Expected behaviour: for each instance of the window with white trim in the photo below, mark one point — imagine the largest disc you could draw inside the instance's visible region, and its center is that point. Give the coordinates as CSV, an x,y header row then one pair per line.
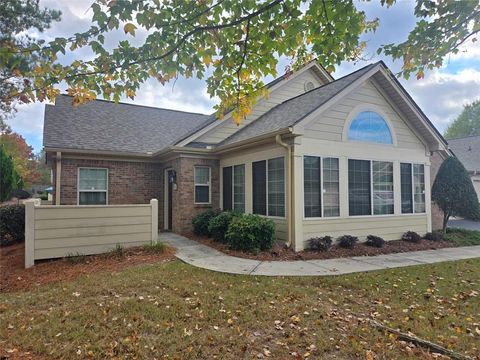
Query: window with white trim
x,y
202,176
92,186
370,187
234,188
321,187
413,188
268,180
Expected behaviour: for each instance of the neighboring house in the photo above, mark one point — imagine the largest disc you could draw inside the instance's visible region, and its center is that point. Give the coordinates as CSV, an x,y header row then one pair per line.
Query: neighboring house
x,y
319,156
467,150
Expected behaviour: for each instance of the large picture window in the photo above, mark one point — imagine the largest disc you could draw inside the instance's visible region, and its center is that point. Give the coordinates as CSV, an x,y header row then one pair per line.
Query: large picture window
x,y
370,187
202,184
359,189
92,186
321,187
234,188
413,188
268,180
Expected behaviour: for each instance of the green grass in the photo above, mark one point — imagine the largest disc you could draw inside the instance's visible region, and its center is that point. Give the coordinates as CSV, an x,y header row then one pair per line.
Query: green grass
x,y
463,237
157,248
177,311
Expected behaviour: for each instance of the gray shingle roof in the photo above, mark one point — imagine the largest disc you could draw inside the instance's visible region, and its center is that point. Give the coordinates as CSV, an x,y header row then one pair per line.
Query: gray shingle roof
x,y
467,150
293,110
105,126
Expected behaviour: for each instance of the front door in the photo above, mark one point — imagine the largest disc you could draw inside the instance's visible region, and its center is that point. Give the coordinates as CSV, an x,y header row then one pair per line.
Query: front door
x,y
171,179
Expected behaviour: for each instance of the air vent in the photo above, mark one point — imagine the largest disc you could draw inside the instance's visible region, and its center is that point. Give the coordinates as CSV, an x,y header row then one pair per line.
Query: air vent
x,y
309,85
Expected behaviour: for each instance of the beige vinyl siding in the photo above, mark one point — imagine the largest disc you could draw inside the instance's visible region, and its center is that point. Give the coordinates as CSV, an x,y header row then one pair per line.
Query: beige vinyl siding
x,y
69,230
330,124
247,156
288,90
388,227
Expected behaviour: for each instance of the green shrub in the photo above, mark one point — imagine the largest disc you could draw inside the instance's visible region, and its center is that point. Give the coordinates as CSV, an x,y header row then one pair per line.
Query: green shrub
x,y
375,241
12,224
347,241
201,221
218,225
251,233
434,236
463,237
323,243
411,236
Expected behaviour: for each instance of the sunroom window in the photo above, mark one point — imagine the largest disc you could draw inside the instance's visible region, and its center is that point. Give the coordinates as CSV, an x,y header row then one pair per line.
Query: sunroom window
x,y
321,187
268,180
370,187
413,188
234,188
92,186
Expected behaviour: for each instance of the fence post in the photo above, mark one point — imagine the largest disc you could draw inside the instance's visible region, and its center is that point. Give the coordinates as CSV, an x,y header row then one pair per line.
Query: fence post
x,y
30,232
154,205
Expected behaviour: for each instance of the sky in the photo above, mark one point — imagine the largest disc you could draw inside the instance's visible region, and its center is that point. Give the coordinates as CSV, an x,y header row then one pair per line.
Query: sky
x,y
441,94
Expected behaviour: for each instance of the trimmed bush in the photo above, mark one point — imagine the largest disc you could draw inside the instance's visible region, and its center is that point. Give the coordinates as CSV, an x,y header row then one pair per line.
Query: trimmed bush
x,y
375,241
12,224
323,243
251,233
218,225
411,236
347,241
434,236
201,221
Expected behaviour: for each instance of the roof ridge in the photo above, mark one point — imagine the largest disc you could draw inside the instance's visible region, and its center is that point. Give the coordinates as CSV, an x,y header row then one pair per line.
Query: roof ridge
x,y
144,106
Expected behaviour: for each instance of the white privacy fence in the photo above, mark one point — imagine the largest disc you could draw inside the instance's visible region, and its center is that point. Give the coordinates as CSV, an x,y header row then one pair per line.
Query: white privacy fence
x,y
53,231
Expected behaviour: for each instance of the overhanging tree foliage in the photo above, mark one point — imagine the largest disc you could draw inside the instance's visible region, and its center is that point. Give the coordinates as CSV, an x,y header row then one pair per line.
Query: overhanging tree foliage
x,y
454,193
16,18
9,179
467,123
232,43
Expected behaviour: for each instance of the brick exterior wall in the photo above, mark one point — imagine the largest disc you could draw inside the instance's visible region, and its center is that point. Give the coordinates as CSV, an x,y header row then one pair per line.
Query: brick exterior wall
x,y
437,215
129,182
133,182
183,198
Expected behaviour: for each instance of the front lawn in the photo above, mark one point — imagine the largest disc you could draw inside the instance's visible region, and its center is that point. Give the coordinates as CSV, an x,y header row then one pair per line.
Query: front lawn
x,y
173,310
463,237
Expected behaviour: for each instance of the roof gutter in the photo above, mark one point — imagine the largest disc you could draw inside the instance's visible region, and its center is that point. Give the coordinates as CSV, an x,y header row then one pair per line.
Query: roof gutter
x,y
99,152
251,141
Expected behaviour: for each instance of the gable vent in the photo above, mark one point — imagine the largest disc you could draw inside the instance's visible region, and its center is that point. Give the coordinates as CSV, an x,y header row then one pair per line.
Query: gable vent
x,y
309,86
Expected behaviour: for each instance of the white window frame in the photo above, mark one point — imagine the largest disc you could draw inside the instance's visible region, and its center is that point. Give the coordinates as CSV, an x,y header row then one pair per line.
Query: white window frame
x,y
284,188
195,185
371,190
78,185
322,189
266,186
233,186
413,188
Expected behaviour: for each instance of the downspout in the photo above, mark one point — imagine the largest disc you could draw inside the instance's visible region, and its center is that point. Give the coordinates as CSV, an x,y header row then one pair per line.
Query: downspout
x,y
279,141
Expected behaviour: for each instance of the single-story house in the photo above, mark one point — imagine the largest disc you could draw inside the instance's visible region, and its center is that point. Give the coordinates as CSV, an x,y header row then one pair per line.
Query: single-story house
x,y
467,150
319,156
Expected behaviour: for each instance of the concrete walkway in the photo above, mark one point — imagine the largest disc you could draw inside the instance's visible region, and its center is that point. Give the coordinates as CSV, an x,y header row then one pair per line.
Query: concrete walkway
x,y
205,257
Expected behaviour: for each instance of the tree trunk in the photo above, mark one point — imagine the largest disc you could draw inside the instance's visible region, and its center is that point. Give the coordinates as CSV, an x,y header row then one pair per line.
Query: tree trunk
x,y
446,216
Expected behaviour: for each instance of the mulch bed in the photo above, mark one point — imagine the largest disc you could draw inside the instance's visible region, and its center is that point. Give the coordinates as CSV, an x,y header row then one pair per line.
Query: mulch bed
x,y
282,253
14,276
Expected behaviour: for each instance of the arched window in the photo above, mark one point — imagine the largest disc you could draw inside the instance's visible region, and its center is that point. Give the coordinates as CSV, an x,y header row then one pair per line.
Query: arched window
x,y
370,127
